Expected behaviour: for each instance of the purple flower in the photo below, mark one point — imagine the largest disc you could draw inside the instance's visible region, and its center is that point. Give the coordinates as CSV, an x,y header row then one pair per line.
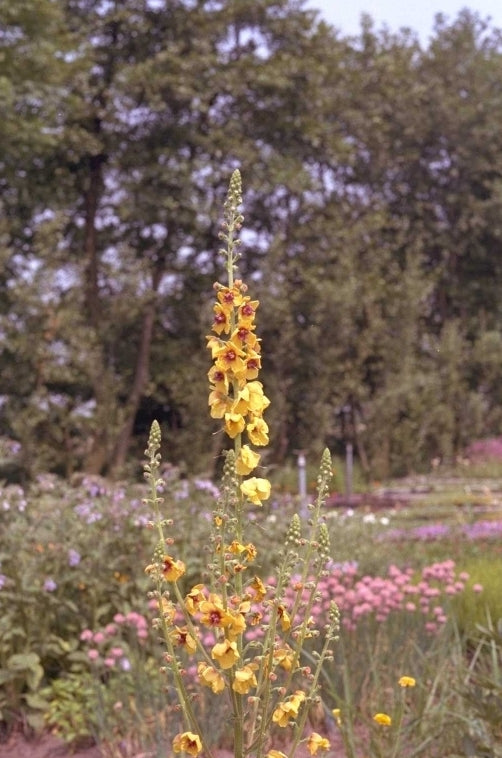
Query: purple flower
x,y
50,585
74,557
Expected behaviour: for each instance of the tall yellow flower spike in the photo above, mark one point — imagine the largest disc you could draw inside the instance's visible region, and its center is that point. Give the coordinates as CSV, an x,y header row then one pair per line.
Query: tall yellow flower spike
x,y
235,394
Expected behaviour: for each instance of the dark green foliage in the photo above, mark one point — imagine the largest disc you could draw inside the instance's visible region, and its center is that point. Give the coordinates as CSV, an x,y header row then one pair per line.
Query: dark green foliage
x,y
372,178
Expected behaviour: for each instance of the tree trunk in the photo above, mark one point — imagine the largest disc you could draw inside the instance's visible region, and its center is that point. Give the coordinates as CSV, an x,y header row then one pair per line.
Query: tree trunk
x,y
140,381
96,458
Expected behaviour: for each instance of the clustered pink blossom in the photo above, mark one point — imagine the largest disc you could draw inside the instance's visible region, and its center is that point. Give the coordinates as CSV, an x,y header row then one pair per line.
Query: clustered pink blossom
x,y
103,647
377,597
401,590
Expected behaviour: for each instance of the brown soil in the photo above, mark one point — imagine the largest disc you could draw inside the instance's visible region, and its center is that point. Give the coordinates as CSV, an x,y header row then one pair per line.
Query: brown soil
x,y
46,746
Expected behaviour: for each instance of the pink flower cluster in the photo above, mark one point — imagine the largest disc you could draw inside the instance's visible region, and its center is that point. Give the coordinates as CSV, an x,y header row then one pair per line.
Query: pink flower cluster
x,y
103,647
377,597
401,590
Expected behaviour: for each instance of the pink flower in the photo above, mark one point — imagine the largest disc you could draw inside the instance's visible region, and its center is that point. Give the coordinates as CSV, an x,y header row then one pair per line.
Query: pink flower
x,y
86,635
477,588
93,654
99,637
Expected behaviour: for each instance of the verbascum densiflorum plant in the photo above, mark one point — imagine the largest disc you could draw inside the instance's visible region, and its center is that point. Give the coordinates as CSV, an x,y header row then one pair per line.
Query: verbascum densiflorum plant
x,y
259,653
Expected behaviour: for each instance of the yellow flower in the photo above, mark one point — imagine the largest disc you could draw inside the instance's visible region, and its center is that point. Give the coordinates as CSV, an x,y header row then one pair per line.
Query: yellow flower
x,y
219,379
245,336
183,638
211,678
171,569
230,357
383,719
236,625
219,404
238,548
253,365
225,653
337,715
284,657
187,742
275,754
257,400
244,680
284,618
230,298
247,310
241,402
407,681
256,489
194,598
234,424
315,742
247,460
259,589
213,612
167,609
221,321
288,709
214,344
258,431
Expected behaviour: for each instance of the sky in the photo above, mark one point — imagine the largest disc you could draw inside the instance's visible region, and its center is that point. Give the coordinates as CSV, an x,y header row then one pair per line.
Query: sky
x,y
417,14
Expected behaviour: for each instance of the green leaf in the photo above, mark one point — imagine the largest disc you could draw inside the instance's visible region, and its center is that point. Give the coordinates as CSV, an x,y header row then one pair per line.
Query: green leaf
x,y
36,701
